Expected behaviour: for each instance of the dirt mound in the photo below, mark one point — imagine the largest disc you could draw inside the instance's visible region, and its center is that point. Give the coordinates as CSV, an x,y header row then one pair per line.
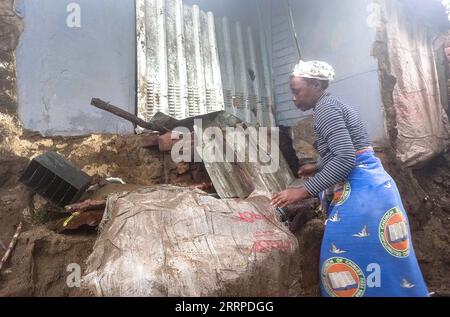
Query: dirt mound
x,y
426,197
433,236
10,28
39,262
39,266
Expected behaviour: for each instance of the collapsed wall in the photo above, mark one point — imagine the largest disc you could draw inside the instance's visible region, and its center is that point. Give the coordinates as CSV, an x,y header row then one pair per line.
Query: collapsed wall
x,y
406,43
11,27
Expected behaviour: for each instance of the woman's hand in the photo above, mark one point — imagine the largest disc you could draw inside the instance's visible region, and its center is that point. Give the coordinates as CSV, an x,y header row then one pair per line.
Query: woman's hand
x,y
289,197
308,170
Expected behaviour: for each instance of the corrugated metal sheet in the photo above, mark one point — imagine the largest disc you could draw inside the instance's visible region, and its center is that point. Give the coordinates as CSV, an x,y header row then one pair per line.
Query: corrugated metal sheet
x,y
241,179
285,56
337,32
189,64
178,68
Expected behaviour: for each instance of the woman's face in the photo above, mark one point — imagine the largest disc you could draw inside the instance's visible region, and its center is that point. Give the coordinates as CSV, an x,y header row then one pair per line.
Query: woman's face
x,y
304,95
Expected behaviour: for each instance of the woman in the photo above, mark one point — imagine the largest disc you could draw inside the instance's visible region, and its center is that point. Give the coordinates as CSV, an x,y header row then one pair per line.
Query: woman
x,y
367,248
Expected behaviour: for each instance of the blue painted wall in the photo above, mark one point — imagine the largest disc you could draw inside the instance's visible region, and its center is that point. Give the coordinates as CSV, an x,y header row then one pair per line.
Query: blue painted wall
x,y
59,69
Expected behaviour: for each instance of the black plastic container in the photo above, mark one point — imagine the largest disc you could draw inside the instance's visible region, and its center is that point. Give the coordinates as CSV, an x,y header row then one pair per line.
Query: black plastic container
x,y
55,179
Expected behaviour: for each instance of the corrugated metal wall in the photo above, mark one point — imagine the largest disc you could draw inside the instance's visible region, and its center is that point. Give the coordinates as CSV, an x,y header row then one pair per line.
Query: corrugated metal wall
x,y
178,67
189,63
340,33
284,58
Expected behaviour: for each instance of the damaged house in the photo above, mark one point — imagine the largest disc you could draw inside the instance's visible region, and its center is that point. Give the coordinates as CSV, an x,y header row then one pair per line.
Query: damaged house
x,y
163,62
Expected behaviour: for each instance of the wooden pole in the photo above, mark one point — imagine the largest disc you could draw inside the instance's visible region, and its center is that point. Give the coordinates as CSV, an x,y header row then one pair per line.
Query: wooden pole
x,y
98,103
11,246
87,205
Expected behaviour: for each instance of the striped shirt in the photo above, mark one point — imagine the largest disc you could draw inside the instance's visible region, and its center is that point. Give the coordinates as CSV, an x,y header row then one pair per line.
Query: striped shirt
x,y
340,134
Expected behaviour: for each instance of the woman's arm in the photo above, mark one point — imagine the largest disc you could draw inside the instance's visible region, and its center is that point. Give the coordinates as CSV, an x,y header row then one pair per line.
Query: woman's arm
x,y
331,126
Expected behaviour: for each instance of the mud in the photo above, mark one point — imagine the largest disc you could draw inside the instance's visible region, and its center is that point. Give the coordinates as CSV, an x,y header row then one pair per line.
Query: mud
x,y
38,266
40,262
425,195
432,238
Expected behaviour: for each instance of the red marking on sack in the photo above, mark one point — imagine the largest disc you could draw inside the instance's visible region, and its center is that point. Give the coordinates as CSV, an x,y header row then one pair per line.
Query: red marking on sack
x,y
251,217
266,246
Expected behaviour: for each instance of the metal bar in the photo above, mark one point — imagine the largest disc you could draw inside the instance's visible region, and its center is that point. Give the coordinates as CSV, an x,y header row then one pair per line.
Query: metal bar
x,y
162,56
57,195
45,182
294,31
69,196
141,55
48,189
37,177
243,72
215,65
256,86
198,60
29,172
182,70
268,82
229,68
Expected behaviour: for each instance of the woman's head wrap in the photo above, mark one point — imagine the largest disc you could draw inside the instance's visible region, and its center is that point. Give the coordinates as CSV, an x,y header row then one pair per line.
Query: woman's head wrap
x,y
314,69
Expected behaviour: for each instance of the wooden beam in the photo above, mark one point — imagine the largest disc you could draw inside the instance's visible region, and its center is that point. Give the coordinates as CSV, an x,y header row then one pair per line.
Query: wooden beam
x,y
98,103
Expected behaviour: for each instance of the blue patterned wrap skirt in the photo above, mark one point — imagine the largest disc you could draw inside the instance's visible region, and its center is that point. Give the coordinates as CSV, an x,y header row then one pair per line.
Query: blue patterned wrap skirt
x,y
367,248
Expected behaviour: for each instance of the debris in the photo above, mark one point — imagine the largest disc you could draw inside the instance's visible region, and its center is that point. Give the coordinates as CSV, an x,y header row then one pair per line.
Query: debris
x,y
139,130
2,245
11,246
300,214
102,182
89,212
221,119
438,180
87,206
55,179
93,188
39,202
210,247
283,217
206,187
167,140
183,168
116,180
164,123
240,179
91,218
149,140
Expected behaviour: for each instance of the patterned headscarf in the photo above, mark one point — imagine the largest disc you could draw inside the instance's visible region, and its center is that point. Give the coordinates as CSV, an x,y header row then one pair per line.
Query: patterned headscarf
x,y
314,69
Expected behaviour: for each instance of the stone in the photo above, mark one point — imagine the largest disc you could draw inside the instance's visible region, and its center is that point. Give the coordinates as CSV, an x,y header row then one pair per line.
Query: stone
x,y
439,180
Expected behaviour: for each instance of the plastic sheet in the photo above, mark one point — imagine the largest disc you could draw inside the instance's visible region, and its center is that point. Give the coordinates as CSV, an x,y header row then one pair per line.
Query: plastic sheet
x,y
172,241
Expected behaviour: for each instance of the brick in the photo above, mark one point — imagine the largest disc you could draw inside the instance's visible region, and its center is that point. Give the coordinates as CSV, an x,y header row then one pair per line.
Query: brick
x,y
167,140
149,140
